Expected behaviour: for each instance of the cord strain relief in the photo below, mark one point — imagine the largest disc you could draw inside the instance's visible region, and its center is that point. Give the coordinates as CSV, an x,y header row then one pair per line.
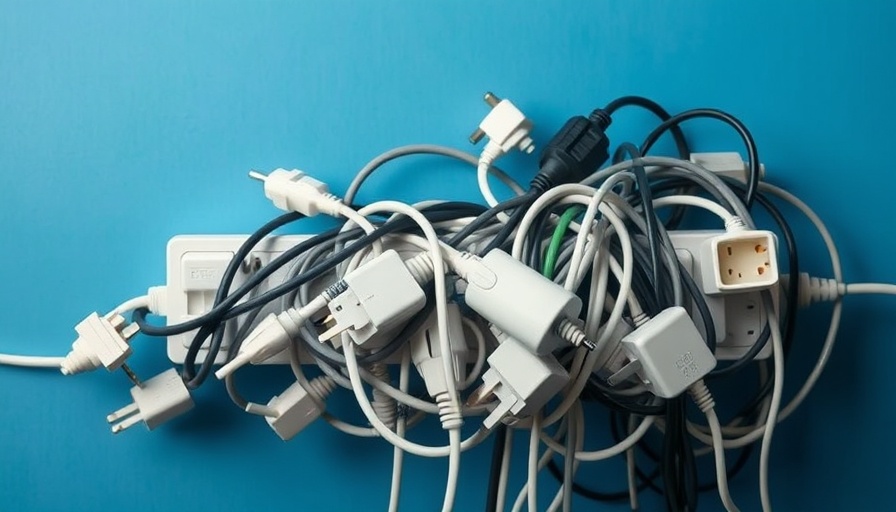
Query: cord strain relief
x,y
818,289
735,224
321,387
421,267
601,118
701,396
383,405
491,152
449,413
640,319
541,183
573,333
158,299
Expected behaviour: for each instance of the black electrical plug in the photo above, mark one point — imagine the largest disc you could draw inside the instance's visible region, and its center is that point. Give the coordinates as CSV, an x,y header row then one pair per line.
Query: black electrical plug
x,y
576,151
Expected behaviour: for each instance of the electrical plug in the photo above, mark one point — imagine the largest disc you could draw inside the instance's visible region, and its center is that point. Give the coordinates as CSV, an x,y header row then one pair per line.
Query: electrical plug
x,y
155,401
296,407
667,353
102,341
578,149
426,352
521,381
505,126
295,191
379,296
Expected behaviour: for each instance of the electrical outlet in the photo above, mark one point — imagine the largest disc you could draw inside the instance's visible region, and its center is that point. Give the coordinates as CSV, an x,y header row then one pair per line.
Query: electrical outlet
x,y
738,317
196,264
740,261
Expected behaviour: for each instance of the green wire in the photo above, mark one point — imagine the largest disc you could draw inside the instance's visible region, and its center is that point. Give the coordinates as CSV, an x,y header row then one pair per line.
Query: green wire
x,y
550,257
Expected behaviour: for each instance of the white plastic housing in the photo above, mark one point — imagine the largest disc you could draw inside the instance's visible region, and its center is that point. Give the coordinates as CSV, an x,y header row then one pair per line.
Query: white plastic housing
x,y
295,191
155,401
294,410
522,303
671,353
381,295
726,164
426,351
102,341
740,261
196,264
522,381
506,126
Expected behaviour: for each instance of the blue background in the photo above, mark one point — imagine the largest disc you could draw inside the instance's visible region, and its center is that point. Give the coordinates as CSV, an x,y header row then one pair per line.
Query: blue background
x,y
123,124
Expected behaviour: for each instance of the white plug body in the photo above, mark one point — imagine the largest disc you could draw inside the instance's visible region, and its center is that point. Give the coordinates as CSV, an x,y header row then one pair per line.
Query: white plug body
x,y
506,126
522,381
522,303
740,260
381,295
295,408
102,341
295,191
426,351
670,351
155,401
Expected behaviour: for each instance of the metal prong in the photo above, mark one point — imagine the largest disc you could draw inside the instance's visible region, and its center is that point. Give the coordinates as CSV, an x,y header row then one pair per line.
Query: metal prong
x,y
332,332
261,410
625,372
491,99
481,394
476,136
126,423
131,375
255,175
128,410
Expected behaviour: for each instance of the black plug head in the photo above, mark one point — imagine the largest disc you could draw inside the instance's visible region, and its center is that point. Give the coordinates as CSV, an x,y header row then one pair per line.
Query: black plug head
x,y
576,151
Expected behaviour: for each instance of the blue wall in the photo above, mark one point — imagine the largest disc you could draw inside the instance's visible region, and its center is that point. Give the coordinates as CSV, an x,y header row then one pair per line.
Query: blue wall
x,y
125,123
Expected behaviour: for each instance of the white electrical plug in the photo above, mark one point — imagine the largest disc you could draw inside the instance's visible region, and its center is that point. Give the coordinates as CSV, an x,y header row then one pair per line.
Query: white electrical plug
x,y
522,382
380,296
295,408
505,126
102,341
667,353
155,401
295,191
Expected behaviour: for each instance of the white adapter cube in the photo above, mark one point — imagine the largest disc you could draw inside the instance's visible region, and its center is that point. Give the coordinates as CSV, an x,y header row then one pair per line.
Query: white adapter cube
x,y
508,127
522,381
670,351
294,410
381,295
727,163
741,261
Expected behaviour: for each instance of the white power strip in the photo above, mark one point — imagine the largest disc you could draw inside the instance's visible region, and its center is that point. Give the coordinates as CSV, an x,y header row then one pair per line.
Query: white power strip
x,y
196,264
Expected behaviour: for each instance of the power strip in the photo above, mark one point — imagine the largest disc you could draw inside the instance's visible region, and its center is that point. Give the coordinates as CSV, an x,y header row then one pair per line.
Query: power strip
x,y
196,263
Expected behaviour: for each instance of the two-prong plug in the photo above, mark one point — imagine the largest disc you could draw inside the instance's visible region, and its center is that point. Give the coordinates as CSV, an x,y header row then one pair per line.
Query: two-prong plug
x,y
295,191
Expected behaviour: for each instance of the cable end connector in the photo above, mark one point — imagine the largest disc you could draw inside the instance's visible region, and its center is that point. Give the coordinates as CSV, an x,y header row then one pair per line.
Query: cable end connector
x,y
155,401
102,341
505,126
295,191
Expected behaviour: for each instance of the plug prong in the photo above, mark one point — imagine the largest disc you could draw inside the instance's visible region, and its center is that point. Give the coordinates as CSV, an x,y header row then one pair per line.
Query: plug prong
x,y
255,175
332,332
491,99
624,373
127,423
128,410
476,136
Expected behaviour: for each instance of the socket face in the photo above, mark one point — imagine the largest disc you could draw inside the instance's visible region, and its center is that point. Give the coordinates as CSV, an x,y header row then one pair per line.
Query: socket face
x,y
746,261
